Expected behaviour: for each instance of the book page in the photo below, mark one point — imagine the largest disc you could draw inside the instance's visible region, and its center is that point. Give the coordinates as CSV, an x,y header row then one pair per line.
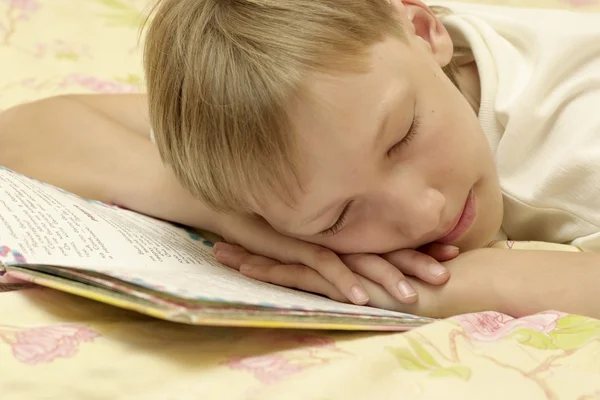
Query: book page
x,y
41,224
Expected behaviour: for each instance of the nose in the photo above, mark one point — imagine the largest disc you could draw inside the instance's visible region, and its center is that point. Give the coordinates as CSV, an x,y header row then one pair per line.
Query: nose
x,y
415,213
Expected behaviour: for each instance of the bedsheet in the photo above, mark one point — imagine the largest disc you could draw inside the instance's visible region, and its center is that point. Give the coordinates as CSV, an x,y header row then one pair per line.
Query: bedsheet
x,y
57,346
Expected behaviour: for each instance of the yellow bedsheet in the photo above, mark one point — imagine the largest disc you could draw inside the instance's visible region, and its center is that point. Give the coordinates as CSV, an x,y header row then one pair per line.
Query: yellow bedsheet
x,y
56,346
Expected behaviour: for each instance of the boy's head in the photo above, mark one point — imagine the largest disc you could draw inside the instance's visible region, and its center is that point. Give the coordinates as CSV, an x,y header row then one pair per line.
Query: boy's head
x,y
295,109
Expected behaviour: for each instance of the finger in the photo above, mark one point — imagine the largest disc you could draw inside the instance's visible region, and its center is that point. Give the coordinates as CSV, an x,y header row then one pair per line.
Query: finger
x,y
422,266
440,252
234,256
380,271
261,238
298,277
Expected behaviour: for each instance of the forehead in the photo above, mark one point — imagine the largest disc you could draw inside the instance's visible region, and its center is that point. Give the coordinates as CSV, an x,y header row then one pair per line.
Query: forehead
x,y
335,120
336,111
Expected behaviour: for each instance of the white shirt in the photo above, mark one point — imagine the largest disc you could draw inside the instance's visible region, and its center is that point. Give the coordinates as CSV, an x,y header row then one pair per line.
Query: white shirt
x,y
540,110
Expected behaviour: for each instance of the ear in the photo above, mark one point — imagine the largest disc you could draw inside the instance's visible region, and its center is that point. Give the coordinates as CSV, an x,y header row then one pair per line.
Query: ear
x,y
421,21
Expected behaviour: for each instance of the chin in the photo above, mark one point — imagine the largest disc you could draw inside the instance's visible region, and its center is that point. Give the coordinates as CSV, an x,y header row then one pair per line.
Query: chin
x,y
477,242
485,227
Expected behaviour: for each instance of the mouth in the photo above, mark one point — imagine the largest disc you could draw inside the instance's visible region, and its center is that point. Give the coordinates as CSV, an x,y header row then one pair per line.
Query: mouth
x,y
462,222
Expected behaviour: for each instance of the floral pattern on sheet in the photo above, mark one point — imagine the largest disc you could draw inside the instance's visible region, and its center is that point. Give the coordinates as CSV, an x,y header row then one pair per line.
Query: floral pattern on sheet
x,y
103,55
580,3
47,343
17,13
311,351
57,345
535,357
121,12
550,338
493,326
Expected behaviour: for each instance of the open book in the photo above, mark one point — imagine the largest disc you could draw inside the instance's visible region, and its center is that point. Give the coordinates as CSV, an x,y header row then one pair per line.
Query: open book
x,y
56,239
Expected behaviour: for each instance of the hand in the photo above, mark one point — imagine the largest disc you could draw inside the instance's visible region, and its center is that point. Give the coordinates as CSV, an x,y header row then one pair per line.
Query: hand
x,y
471,289
268,256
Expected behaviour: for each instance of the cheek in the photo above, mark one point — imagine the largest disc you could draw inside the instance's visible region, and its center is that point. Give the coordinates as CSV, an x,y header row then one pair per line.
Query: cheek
x,y
440,152
452,142
351,240
366,235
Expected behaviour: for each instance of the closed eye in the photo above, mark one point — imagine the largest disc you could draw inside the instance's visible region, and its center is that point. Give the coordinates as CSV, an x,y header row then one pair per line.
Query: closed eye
x,y
412,131
339,224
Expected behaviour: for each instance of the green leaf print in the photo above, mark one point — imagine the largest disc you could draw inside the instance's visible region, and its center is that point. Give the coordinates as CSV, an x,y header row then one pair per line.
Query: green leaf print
x,y
67,56
573,332
407,359
423,354
419,359
117,4
535,339
131,79
123,14
459,371
570,321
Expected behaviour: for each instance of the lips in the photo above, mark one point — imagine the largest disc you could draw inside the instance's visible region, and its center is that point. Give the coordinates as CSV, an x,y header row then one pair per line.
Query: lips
x,y
462,222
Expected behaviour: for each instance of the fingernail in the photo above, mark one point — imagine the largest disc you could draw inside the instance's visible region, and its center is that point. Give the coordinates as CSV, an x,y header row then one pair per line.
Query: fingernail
x,y
453,249
436,270
359,295
221,246
221,253
406,290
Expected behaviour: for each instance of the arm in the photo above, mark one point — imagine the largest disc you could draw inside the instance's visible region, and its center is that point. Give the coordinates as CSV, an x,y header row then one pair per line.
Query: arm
x,y
97,146
514,282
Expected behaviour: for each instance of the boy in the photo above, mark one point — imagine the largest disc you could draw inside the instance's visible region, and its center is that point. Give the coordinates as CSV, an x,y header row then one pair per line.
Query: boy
x,y
342,126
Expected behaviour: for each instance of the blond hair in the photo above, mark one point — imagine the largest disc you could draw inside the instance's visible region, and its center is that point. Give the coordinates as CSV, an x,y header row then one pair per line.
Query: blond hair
x,y
222,73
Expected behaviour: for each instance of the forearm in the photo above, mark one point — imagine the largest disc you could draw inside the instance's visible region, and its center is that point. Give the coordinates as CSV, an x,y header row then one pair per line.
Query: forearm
x,y
546,280
513,282
70,145
524,282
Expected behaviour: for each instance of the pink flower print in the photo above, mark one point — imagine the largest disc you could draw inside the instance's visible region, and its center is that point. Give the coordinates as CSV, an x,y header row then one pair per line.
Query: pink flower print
x,y
268,369
580,3
98,85
45,344
314,341
291,340
23,5
4,251
492,326
61,50
17,10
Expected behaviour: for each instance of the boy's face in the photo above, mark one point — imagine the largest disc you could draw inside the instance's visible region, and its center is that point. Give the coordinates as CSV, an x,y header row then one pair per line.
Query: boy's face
x,y
398,148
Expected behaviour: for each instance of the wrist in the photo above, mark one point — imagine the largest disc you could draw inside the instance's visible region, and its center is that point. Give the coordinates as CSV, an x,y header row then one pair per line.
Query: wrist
x,y
481,280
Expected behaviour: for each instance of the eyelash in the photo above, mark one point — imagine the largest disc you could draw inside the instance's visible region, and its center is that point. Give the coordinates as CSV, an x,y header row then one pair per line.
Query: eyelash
x,y
339,224
409,136
412,131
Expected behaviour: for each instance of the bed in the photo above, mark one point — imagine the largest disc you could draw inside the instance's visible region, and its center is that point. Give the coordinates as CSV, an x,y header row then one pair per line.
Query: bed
x,y
57,346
